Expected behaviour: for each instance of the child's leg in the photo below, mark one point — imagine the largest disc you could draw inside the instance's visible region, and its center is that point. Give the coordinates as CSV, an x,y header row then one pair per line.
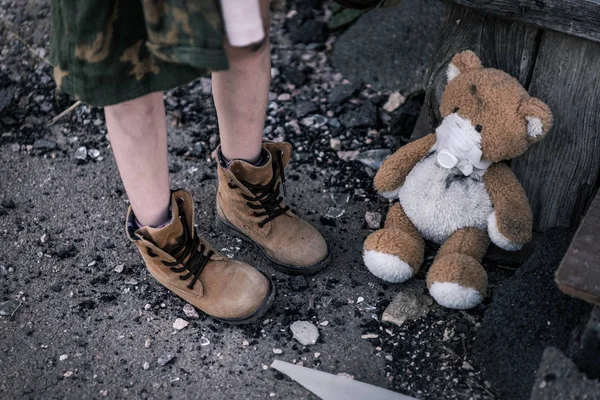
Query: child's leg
x,y
138,137
241,94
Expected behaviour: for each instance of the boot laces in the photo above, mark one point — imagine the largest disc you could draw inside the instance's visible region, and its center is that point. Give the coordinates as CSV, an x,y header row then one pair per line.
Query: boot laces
x,y
267,195
187,245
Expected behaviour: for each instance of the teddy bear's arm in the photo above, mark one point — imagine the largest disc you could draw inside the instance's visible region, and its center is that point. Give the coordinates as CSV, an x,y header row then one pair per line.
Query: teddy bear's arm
x,y
395,169
511,223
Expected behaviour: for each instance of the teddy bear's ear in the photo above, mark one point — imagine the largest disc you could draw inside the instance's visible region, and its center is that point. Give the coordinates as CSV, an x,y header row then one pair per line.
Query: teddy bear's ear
x,y
538,116
462,62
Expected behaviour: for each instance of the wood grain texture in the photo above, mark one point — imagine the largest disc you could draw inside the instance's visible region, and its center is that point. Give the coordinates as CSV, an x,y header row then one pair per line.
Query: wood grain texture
x,y
579,273
574,17
560,174
509,46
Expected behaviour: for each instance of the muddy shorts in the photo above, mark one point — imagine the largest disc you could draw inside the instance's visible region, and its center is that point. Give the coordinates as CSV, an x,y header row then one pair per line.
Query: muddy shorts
x,y
109,51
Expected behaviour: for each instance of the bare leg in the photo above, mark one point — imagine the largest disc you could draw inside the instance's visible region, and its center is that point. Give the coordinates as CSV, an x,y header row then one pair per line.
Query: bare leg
x,y
241,94
138,136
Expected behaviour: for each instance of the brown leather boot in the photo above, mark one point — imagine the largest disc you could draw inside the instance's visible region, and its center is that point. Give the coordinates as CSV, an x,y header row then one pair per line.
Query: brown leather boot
x,y
249,206
228,290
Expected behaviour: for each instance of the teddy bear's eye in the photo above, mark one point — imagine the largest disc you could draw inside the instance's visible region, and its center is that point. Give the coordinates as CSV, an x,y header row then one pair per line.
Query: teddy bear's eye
x,y
478,128
455,110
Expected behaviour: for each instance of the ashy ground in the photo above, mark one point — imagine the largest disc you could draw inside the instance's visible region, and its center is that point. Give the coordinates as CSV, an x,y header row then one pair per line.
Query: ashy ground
x,y
85,330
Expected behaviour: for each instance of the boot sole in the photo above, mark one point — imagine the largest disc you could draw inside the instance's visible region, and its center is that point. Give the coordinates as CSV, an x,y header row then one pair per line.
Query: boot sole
x,y
285,268
258,313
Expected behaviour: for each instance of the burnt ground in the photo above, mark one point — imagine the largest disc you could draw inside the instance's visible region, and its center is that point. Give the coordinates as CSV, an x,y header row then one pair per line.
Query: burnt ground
x,y
61,237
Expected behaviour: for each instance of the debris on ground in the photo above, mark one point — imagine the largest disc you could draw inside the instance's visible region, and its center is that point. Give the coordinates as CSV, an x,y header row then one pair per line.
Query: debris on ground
x,y
333,387
411,302
305,332
9,308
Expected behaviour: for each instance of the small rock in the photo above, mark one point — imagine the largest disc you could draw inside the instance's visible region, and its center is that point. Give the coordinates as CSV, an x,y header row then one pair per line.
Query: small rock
x,y
369,336
190,311
81,153
311,31
245,343
373,219
147,307
277,351
147,343
165,359
132,282
9,307
308,121
43,144
324,323
389,357
334,213
374,158
93,153
63,357
179,324
394,101
68,374
340,93
204,341
317,355
305,332
335,144
360,299
410,303
348,155
146,365
44,238
284,97
15,147
304,108
119,268
295,76
363,116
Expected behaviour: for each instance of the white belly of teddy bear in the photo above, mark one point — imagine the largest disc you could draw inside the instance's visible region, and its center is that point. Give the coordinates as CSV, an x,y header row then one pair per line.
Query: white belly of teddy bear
x,y
440,201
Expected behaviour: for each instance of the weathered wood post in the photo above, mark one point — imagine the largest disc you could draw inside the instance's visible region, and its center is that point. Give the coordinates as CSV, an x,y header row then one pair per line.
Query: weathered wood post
x,y
553,48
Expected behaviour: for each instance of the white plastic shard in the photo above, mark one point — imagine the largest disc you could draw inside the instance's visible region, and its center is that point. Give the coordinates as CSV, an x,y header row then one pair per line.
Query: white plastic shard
x,y
334,387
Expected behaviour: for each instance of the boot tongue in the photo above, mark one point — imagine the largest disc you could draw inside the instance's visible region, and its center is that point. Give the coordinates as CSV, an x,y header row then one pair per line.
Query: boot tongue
x,y
256,175
167,235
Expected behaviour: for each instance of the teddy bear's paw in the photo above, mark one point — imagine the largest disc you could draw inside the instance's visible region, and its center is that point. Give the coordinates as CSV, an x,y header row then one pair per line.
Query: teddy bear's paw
x,y
454,295
388,267
499,239
457,281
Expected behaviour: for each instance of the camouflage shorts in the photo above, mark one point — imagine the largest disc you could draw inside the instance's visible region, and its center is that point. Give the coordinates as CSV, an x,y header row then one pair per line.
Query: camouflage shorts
x,y
108,51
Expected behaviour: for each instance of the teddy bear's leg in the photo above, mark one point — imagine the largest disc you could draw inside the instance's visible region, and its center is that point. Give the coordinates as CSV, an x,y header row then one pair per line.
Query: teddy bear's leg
x,y
456,278
395,252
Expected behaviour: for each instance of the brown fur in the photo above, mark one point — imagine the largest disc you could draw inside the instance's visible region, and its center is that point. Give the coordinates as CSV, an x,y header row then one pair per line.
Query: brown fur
x,y
403,245
496,101
398,237
513,214
461,269
396,168
469,241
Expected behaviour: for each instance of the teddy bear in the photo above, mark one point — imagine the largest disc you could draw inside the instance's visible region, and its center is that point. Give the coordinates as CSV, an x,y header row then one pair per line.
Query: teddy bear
x,y
454,187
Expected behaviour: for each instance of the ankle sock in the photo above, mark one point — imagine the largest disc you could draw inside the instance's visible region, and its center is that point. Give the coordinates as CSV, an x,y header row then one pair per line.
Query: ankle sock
x,y
262,159
169,219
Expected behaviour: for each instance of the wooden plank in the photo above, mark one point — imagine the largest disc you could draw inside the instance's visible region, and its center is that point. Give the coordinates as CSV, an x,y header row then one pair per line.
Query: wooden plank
x,y
502,44
574,17
560,174
579,273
